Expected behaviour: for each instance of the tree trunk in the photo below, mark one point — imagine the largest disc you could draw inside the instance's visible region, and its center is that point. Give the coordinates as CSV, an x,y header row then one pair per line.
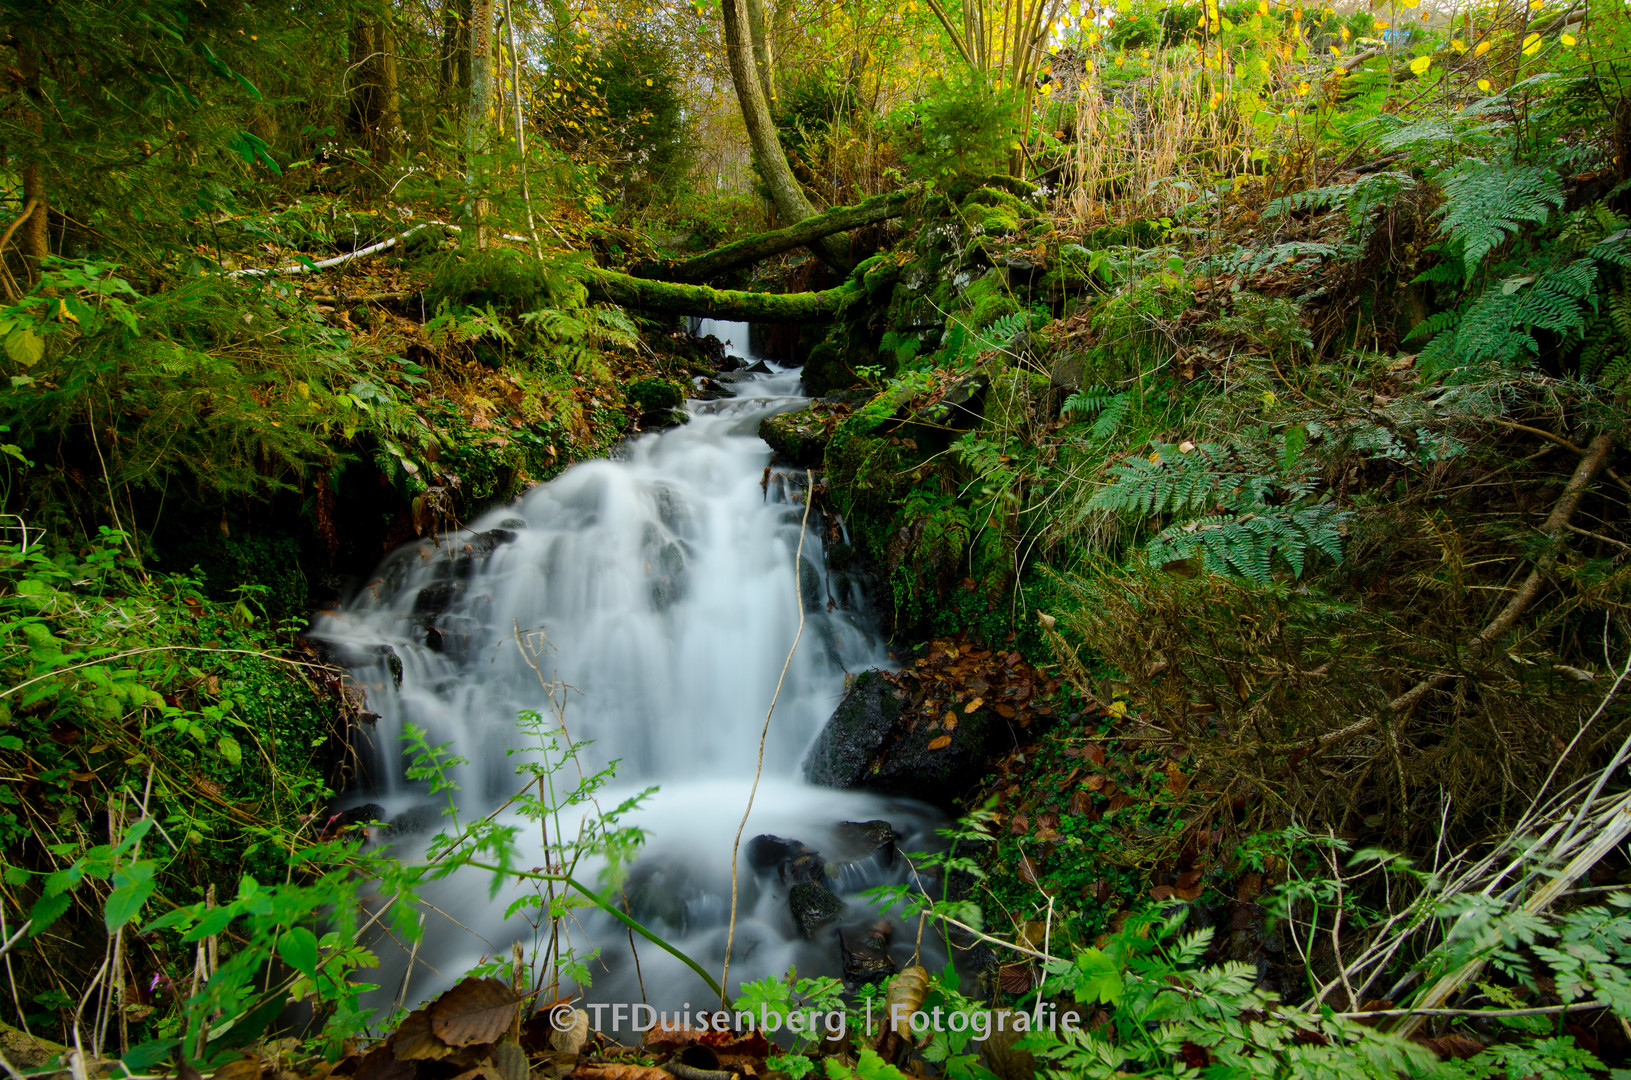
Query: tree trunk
x,y
390,105
478,116
375,116
764,53
763,245
791,202
667,297
453,68
32,239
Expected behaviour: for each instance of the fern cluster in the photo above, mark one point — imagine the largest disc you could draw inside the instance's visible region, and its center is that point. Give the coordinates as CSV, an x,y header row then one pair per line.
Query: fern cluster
x,y
1240,506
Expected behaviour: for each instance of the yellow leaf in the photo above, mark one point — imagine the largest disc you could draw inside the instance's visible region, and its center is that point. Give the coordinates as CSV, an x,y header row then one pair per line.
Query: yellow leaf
x,y
1484,85
975,704
1093,39
1381,25
1482,48
1410,3
64,313
1302,91
1262,7
1296,14
1345,34
1567,40
1458,45
939,742
648,82
1531,45
1420,64
1336,50
1118,708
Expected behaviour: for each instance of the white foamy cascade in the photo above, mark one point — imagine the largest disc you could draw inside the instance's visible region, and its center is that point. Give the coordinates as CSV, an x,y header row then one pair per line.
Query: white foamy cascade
x,y
665,582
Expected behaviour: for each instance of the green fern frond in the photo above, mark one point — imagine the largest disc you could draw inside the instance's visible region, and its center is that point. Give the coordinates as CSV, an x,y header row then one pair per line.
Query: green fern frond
x,y
1484,204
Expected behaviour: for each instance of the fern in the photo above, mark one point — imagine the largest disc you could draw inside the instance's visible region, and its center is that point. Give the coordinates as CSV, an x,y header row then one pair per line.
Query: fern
x,y
1485,204
1248,545
1110,407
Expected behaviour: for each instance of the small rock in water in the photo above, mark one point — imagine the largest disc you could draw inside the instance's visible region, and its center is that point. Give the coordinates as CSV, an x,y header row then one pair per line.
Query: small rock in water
x,y
759,367
813,907
793,862
866,957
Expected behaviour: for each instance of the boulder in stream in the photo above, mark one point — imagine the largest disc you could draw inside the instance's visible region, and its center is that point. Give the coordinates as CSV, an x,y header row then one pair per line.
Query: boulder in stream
x,y
813,907
868,744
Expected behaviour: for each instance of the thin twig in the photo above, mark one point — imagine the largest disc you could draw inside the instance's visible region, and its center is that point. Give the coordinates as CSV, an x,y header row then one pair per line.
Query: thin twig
x,y
798,596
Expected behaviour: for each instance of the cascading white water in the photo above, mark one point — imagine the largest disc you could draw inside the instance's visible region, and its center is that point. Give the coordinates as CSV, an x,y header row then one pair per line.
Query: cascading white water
x,y
665,582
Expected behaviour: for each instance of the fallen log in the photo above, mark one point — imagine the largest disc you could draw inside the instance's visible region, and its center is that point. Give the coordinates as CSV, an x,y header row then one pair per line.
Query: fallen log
x,y
671,298
802,234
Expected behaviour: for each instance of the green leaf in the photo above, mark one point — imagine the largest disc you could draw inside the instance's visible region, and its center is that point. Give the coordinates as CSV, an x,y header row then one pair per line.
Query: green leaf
x,y
25,346
47,910
132,885
229,748
1098,977
299,949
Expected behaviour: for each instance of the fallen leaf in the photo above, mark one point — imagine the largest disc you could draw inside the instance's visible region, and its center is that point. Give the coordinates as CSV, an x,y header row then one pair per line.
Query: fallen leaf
x,y
975,704
1005,711
1162,892
473,1012
620,1072
939,742
1027,870
244,1068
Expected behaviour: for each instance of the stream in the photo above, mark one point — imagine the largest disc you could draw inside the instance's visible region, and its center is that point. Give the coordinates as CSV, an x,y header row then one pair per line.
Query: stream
x,y
659,586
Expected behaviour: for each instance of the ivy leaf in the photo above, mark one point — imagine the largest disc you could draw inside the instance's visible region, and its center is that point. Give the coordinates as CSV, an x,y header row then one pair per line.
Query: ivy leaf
x,y
132,885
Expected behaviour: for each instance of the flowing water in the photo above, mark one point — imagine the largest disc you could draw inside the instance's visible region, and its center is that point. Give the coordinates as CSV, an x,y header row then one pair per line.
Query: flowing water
x,y
665,582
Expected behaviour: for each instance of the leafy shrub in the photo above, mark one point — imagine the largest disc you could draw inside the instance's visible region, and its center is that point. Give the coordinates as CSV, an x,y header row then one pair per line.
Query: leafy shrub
x,y
960,132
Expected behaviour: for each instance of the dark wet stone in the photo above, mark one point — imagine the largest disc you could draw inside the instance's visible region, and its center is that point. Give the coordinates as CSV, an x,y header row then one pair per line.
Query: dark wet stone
x,y
813,907
866,745
865,957
436,598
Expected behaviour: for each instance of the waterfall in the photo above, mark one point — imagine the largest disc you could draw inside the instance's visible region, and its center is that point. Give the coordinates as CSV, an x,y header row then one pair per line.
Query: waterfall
x,y
663,587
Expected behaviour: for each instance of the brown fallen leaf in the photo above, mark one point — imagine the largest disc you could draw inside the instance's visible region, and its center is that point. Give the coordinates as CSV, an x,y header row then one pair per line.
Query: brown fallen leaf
x,y
244,1068
475,1011
1005,711
620,1072
1027,870
939,742
1162,892
975,704
414,1041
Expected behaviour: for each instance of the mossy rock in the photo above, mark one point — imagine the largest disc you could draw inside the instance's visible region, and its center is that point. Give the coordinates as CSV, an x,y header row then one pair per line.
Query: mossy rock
x,y
652,394
988,299
799,438
997,213
1139,234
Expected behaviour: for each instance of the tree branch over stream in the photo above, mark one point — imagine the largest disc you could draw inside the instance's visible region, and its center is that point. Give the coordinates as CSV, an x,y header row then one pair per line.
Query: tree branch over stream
x,y
802,234
677,299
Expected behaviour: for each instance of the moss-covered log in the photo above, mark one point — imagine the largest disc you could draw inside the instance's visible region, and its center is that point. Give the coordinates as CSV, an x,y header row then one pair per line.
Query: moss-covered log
x,y
803,234
675,299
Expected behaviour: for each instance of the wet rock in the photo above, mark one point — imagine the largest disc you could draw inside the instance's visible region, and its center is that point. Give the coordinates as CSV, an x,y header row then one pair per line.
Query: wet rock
x,y
731,363
711,389
798,438
667,891
855,735
666,418
866,745
865,957
436,598
1066,370
792,862
872,837
959,407
759,367
813,907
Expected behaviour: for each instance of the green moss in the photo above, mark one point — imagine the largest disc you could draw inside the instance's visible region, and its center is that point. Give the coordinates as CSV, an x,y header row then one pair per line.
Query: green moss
x,y
651,393
798,437
988,300
996,212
